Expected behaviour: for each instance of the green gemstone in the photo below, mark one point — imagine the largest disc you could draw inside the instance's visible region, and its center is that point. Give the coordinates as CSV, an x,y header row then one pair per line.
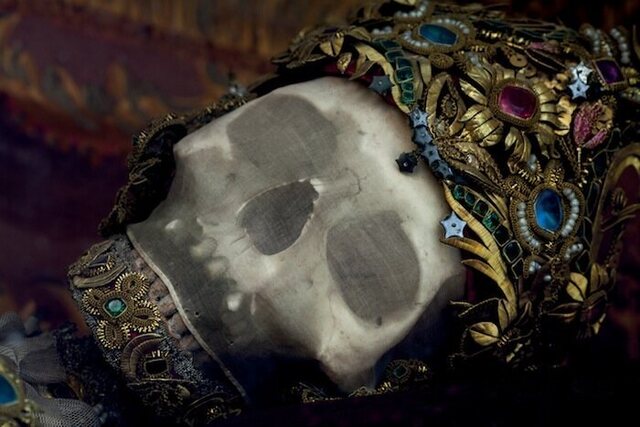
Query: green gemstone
x,y
115,307
481,208
491,221
458,192
407,98
389,44
470,199
404,74
394,54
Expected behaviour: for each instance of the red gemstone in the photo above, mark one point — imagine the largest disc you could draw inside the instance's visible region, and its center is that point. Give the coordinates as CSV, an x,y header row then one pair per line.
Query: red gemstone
x,y
518,102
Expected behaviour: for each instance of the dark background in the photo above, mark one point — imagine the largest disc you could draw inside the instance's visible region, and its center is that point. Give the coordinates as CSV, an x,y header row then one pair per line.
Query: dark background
x,y
79,77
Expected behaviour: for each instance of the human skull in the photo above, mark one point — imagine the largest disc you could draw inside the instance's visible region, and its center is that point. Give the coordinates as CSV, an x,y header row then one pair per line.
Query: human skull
x,y
289,230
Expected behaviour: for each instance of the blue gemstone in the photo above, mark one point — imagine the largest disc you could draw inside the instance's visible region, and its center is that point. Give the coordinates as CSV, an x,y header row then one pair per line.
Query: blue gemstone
x,y
438,34
548,210
8,394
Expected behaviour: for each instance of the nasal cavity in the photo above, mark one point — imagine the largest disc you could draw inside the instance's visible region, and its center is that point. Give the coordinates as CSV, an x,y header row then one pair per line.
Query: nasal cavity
x,y
274,219
374,263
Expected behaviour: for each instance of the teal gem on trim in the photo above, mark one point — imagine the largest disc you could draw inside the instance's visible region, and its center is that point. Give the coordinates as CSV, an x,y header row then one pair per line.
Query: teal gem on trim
x,y
8,394
548,210
115,307
438,34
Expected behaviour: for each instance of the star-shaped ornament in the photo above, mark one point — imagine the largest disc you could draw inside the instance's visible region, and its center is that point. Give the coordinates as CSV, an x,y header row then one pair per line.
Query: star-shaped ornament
x,y
581,73
578,89
380,84
453,226
418,118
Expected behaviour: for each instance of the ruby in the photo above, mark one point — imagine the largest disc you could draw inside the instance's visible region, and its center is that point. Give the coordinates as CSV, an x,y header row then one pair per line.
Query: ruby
x,y
518,102
609,71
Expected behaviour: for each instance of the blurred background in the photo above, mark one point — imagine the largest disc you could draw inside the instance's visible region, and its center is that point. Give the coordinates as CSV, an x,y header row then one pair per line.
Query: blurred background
x,y
79,77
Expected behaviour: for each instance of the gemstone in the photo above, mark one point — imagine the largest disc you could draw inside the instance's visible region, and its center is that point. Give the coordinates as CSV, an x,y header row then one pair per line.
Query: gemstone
x,y
481,208
512,251
548,210
407,162
115,307
470,199
8,394
438,34
404,74
458,192
609,71
156,366
491,221
501,235
518,102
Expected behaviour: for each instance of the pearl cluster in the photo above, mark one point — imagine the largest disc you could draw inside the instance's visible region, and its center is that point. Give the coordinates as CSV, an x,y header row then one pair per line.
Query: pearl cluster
x,y
415,43
534,266
450,21
574,212
524,227
574,249
625,54
418,13
599,42
381,31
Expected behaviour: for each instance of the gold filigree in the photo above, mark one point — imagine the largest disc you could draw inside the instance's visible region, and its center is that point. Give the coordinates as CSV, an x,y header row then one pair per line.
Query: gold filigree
x,y
122,310
488,123
95,268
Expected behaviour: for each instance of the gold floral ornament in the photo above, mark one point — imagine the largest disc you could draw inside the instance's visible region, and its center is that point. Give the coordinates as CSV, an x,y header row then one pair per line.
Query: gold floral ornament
x,y
122,310
588,301
511,110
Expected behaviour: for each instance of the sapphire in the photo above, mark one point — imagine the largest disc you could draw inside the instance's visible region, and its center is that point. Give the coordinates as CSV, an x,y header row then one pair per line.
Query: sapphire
x,y
8,394
548,210
438,34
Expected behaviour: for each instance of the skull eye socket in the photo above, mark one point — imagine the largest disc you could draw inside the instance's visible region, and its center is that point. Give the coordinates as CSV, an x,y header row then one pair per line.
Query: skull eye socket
x,y
374,263
274,219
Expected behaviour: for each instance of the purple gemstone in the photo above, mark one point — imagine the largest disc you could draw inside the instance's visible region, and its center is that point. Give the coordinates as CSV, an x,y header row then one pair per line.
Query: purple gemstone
x,y
609,71
518,102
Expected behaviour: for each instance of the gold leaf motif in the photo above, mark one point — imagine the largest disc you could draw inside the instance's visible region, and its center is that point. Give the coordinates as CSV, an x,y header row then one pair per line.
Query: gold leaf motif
x,y
136,285
494,266
473,93
485,333
577,287
343,62
111,336
145,317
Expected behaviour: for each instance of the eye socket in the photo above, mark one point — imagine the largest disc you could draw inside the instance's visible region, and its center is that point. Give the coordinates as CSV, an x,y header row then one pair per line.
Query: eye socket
x,y
274,219
374,263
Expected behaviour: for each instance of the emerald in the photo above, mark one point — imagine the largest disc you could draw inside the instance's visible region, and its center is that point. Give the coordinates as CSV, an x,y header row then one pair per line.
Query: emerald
x,y
115,307
491,221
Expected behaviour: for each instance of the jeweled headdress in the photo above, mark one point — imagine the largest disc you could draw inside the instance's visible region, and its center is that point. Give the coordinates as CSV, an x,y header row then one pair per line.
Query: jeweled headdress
x,y
531,127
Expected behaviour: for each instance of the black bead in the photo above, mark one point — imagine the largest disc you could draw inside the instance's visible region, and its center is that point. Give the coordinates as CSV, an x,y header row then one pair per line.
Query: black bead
x,y
407,162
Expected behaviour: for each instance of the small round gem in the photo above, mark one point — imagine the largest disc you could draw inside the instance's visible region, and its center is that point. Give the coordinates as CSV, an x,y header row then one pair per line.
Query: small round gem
x,y
518,102
115,307
548,210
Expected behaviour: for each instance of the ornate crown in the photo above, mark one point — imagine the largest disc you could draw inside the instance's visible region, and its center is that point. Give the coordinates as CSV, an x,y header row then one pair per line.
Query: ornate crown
x,y
532,129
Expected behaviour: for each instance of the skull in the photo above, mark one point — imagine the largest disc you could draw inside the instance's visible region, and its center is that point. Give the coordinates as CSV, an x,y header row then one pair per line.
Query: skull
x,y
289,232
